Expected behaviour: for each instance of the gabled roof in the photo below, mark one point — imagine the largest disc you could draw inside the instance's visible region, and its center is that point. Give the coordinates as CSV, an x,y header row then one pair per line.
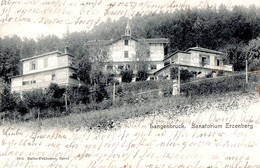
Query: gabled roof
x,y
204,50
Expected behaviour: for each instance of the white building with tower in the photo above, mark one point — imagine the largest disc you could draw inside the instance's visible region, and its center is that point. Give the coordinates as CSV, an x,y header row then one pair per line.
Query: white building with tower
x,y
122,52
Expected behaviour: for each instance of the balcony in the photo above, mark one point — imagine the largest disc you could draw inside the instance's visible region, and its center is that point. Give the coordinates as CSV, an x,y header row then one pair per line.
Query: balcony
x,y
205,65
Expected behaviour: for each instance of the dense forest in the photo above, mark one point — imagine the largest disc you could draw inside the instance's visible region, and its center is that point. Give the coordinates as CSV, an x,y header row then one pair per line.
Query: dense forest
x,y
234,32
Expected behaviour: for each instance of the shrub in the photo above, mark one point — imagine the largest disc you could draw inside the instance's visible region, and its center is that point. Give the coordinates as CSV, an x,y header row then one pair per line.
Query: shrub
x,y
217,85
127,75
37,99
55,89
141,75
184,74
7,100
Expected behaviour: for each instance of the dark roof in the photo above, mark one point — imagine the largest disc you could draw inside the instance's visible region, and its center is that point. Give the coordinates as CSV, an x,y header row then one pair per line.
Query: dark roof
x,y
204,50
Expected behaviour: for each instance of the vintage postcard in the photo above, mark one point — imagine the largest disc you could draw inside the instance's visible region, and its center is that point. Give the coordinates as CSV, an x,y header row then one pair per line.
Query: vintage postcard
x,y
129,84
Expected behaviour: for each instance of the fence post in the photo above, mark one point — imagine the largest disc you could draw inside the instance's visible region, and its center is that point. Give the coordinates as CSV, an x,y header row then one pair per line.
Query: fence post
x,y
179,80
114,93
38,118
246,72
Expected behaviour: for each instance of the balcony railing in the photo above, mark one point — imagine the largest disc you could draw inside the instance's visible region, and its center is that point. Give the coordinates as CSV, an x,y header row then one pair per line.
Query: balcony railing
x,y
207,66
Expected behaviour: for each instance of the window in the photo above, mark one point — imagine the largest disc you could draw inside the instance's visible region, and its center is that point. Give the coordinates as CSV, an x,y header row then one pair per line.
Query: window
x,y
126,54
126,42
33,81
218,62
109,67
53,77
33,65
127,66
153,66
121,67
204,59
152,78
45,62
166,63
26,82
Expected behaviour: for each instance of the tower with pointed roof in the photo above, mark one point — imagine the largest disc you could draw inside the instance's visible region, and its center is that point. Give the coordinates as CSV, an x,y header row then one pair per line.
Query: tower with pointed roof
x,y
128,28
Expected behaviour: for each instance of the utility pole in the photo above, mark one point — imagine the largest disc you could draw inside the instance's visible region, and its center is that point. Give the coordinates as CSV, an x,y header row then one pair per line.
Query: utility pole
x,y
179,80
66,102
114,93
246,71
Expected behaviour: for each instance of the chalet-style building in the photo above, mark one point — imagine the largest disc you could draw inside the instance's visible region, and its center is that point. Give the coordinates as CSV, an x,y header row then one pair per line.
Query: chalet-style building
x,y
122,52
41,70
197,59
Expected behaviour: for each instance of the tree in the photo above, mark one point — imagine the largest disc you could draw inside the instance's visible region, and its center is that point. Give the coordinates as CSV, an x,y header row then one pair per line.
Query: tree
x,y
235,55
10,48
55,90
127,75
184,74
252,54
141,75
7,100
37,99
142,58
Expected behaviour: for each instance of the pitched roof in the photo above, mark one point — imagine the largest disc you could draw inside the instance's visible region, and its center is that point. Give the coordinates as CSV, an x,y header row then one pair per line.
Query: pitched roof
x,y
204,50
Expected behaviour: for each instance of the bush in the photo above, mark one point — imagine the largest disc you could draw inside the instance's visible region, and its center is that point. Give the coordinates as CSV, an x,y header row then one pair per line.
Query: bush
x,y
37,99
127,75
142,75
218,85
184,74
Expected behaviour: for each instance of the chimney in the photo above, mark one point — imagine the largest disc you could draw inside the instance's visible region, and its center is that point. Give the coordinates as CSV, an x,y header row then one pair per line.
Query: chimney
x,y
66,50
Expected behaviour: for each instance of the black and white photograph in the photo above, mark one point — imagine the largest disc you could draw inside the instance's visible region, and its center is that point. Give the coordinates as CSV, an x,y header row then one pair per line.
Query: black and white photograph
x,y
129,84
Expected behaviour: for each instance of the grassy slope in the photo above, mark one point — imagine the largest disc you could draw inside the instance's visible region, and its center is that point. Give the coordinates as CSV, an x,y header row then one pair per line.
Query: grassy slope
x,y
172,106
224,93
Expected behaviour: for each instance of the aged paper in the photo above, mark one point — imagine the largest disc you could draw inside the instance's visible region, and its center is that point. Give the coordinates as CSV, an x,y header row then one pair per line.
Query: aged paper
x,y
212,138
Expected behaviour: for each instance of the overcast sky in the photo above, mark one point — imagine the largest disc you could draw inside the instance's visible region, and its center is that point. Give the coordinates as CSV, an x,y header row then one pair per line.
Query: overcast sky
x,y
33,18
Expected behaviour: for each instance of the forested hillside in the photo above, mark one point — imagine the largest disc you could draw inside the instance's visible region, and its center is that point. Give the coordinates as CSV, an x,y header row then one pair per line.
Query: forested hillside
x,y
234,31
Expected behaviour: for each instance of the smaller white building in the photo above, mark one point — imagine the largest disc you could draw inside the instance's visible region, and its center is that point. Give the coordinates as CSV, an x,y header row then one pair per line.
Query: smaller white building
x,y
198,59
41,70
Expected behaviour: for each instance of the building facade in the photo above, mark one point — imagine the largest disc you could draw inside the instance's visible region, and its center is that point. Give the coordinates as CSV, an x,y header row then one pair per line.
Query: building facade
x,y
197,59
42,70
122,52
